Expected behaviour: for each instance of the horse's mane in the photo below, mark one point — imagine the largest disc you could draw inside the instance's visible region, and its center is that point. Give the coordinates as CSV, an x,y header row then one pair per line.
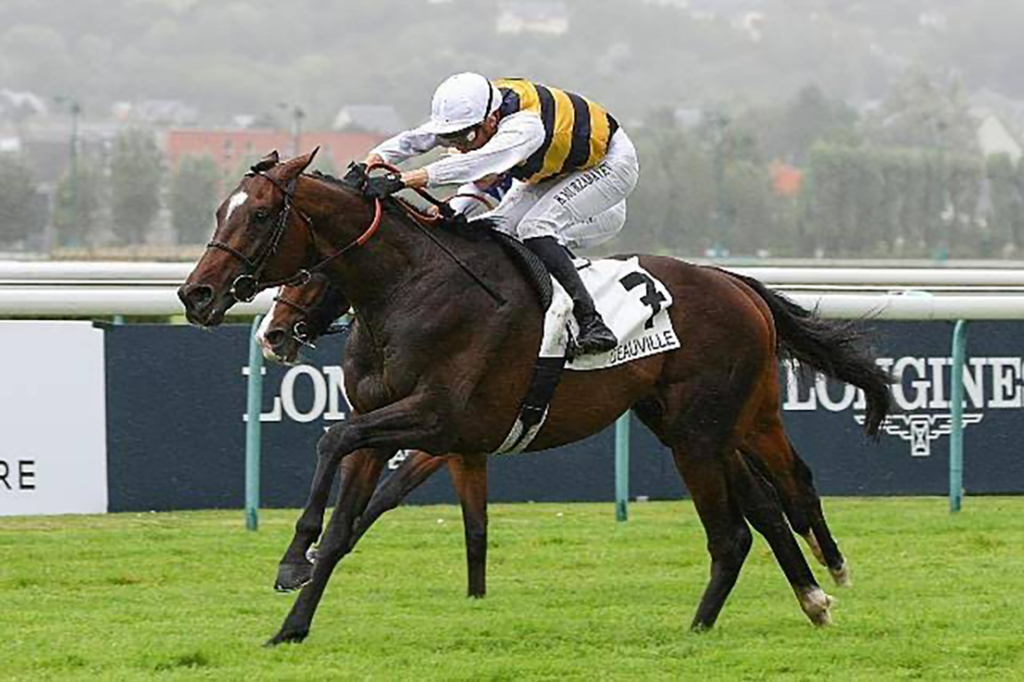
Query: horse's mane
x,y
471,230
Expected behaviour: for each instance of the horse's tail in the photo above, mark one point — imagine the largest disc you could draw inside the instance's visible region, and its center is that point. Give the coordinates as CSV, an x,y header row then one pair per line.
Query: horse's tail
x,y
835,348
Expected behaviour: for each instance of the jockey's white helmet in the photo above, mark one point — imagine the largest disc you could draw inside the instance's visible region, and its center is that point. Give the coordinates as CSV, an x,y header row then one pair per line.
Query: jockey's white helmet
x,y
462,101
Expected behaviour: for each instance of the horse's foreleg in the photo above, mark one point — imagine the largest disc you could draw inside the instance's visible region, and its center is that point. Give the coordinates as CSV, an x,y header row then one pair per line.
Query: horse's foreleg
x,y
416,469
295,570
422,420
469,474
415,421
359,478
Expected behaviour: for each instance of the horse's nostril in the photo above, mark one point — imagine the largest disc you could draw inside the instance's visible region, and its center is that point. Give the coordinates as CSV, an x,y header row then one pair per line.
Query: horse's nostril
x,y
275,337
199,296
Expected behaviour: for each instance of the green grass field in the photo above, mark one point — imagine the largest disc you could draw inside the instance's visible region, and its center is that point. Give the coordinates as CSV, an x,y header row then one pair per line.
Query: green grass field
x,y
572,595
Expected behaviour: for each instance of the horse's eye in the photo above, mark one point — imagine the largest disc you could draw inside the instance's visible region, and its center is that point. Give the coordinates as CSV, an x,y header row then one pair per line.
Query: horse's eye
x,y
261,214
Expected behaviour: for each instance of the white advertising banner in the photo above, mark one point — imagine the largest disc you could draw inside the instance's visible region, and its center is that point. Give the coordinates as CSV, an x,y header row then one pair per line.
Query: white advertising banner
x,y
53,452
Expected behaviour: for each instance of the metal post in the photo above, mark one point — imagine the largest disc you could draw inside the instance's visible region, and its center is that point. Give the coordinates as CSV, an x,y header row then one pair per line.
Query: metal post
x,y
76,109
299,114
622,467
721,122
252,430
956,438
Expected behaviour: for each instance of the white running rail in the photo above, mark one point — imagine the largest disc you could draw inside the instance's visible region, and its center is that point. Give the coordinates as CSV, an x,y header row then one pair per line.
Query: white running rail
x,y
86,289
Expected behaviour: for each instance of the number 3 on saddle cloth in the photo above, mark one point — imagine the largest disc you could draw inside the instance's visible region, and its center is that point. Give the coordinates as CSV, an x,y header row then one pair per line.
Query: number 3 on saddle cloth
x,y
632,302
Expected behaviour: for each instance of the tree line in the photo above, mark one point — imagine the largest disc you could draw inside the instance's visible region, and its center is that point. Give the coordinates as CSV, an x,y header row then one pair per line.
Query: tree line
x,y
905,180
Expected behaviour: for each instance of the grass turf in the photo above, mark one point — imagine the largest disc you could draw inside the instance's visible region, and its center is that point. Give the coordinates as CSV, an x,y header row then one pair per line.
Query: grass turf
x,y
572,595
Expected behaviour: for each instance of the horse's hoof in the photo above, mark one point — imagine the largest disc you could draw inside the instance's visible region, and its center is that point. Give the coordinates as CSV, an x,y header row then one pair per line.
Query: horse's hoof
x,y
816,605
841,575
291,577
287,637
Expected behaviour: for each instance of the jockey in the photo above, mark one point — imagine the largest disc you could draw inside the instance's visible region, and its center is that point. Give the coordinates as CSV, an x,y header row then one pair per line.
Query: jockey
x,y
573,167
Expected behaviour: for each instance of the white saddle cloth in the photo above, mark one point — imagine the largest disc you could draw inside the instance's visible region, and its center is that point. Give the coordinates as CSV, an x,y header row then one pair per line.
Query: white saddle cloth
x,y
633,304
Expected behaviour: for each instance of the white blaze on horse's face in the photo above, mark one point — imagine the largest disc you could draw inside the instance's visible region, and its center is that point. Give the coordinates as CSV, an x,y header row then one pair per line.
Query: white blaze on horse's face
x,y
236,200
261,337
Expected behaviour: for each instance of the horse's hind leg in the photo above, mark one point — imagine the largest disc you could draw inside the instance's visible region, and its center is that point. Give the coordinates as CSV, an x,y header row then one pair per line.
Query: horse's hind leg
x,y
702,422
821,536
469,474
793,480
759,504
728,536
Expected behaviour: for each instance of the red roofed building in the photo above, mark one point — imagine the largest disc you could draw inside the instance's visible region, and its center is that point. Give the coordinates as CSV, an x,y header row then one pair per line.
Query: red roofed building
x,y
786,180
230,147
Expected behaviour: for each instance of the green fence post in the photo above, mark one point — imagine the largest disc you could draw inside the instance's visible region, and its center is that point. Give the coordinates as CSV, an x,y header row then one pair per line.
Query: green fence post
x,y
956,437
622,467
252,429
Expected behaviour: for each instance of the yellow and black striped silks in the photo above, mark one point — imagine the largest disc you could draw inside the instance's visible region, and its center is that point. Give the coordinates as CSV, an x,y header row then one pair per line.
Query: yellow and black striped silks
x,y
576,130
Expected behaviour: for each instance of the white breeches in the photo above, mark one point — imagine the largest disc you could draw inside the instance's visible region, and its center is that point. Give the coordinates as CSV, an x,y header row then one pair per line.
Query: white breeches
x,y
581,209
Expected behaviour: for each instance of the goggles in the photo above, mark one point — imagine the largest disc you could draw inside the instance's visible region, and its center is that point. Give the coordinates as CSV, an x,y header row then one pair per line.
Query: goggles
x,y
460,137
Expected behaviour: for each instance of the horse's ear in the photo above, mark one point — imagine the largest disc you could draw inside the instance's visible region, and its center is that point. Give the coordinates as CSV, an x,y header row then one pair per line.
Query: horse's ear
x,y
267,162
293,167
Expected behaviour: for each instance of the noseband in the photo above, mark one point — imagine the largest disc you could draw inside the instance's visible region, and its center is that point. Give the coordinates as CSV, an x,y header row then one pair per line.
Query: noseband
x,y
300,330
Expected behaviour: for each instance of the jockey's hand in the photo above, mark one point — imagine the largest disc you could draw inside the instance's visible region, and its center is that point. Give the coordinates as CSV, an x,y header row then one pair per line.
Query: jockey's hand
x,y
382,186
356,176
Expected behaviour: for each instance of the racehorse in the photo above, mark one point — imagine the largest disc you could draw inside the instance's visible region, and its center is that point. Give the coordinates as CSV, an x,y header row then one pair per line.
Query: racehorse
x,y
302,314
444,351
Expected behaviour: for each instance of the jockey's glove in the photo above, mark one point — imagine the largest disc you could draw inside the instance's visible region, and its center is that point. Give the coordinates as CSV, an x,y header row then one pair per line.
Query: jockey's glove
x,y
356,176
381,186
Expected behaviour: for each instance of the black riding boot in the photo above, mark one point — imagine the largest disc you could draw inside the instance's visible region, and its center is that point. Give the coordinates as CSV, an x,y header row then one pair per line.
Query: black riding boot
x,y
595,336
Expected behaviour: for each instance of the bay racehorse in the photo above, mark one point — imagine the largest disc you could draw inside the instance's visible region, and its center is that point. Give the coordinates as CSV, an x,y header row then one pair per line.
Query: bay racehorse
x,y
445,347
301,314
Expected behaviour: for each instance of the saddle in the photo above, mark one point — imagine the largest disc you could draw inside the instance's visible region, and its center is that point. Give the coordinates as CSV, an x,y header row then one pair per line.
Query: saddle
x,y
529,265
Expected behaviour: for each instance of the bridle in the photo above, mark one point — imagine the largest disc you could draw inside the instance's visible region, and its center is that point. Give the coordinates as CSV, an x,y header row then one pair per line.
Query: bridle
x,y
245,287
300,330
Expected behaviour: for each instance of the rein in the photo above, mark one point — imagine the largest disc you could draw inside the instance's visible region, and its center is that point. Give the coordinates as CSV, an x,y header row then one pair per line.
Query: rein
x,y
300,330
247,285
422,221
